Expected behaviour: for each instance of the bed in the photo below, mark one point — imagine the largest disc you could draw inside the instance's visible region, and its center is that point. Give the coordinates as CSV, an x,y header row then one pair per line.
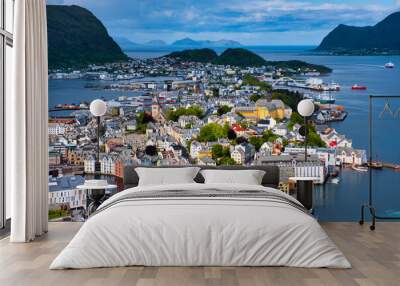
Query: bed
x,y
197,224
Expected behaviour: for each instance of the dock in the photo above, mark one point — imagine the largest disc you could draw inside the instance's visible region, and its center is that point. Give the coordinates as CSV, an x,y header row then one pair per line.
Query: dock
x,y
380,165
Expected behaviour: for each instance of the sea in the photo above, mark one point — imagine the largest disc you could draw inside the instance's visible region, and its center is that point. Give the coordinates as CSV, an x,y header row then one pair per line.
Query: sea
x,y
332,202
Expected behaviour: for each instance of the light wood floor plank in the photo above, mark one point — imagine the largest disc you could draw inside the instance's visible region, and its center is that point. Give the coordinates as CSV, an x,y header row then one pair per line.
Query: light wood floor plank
x,y
375,257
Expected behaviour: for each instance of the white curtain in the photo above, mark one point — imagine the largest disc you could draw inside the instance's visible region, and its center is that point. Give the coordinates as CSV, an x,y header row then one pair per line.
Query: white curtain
x,y
26,123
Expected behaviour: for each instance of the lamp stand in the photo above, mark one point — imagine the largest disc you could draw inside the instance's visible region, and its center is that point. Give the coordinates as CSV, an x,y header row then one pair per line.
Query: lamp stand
x,y
97,166
305,139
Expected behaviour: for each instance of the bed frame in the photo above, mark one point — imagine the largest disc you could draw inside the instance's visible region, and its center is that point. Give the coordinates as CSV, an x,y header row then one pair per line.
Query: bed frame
x,y
270,179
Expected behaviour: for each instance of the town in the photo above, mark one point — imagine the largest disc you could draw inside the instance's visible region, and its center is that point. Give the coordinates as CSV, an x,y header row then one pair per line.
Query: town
x,y
178,113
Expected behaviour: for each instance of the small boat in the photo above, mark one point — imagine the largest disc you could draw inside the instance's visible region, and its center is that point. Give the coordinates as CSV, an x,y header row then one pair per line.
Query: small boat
x,y
359,168
389,65
358,87
335,181
335,86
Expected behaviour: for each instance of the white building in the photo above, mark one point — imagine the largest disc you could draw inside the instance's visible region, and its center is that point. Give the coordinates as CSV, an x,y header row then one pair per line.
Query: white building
x,y
312,170
107,165
62,191
89,165
195,148
56,129
351,156
238,156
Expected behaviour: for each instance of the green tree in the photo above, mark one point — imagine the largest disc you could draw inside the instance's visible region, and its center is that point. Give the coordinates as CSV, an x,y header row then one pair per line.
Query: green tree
x,y
295,118
223,109
251,80
217,151
255,97
142,119
257,142
226,152
226,161
268,136
193,110
290,98
211,132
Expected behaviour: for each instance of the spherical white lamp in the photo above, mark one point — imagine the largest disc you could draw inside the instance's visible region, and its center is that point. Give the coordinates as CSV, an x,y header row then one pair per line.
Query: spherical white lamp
x,y
98,107
306,107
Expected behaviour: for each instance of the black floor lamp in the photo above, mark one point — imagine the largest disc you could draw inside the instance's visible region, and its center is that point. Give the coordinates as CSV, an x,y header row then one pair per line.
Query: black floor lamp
x,y
306,109
305,184
98,108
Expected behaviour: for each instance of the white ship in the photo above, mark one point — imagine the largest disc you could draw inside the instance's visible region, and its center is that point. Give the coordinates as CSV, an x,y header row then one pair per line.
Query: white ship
x,y
389,65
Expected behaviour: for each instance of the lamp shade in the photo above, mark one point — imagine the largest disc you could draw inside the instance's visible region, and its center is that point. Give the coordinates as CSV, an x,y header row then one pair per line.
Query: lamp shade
x,y
306,107
98,107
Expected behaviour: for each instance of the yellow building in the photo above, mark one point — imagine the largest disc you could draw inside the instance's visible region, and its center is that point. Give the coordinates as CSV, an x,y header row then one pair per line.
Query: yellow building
x,y
263,109
204,153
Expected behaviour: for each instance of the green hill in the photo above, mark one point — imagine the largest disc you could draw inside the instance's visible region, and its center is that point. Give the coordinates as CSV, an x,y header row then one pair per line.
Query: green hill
x,y
384,37
295,65
243,58
195,55
77,38
240,57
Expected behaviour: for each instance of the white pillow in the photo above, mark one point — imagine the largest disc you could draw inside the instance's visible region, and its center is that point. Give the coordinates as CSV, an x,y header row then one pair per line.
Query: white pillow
x,y
247,177
166,176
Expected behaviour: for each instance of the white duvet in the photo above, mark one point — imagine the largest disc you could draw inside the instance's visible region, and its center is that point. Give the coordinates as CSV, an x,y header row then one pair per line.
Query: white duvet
x,y
200,231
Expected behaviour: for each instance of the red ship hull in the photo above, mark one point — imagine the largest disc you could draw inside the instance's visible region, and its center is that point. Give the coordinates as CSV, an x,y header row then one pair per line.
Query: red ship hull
x,y
359,88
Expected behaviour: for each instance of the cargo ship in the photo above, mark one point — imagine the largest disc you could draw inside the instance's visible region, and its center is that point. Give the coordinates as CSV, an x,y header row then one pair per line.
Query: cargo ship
x,y
359,87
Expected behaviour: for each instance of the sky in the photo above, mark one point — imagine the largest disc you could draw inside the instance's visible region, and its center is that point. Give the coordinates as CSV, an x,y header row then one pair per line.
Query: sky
x,y
250,22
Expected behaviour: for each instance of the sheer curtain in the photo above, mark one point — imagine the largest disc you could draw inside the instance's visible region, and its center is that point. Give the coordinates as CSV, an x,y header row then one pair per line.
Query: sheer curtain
x,y
26,120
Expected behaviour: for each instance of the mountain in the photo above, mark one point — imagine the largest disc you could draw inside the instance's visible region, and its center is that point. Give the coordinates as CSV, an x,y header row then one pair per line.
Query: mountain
x,y
155,43
190,43
186,42
383,37
126,44
195,55
77,38
240,57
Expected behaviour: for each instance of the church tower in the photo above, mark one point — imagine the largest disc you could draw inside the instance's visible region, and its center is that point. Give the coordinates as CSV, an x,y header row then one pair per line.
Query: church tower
x,y
155,108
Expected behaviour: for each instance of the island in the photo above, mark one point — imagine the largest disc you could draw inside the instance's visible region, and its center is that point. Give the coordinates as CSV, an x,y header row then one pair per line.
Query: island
x,y
381,39
240,57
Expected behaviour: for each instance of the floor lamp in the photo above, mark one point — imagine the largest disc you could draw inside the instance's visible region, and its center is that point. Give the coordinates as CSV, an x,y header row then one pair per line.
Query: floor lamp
x,y
306,109
98,108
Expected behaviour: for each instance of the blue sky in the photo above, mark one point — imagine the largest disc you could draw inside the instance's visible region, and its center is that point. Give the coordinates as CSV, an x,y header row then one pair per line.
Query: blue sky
x,y
251,22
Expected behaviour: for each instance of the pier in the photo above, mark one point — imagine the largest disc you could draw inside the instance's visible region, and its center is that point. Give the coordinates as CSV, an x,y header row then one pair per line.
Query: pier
x,y
55,109
380,165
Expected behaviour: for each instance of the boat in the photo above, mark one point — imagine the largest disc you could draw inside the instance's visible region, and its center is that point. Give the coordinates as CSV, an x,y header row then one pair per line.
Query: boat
x,y
335,86
358,87
334,181
389,65
324,99
359,168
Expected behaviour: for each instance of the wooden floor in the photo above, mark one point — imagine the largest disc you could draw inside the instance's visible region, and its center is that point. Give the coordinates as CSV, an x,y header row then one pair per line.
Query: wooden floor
x,y
375,257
